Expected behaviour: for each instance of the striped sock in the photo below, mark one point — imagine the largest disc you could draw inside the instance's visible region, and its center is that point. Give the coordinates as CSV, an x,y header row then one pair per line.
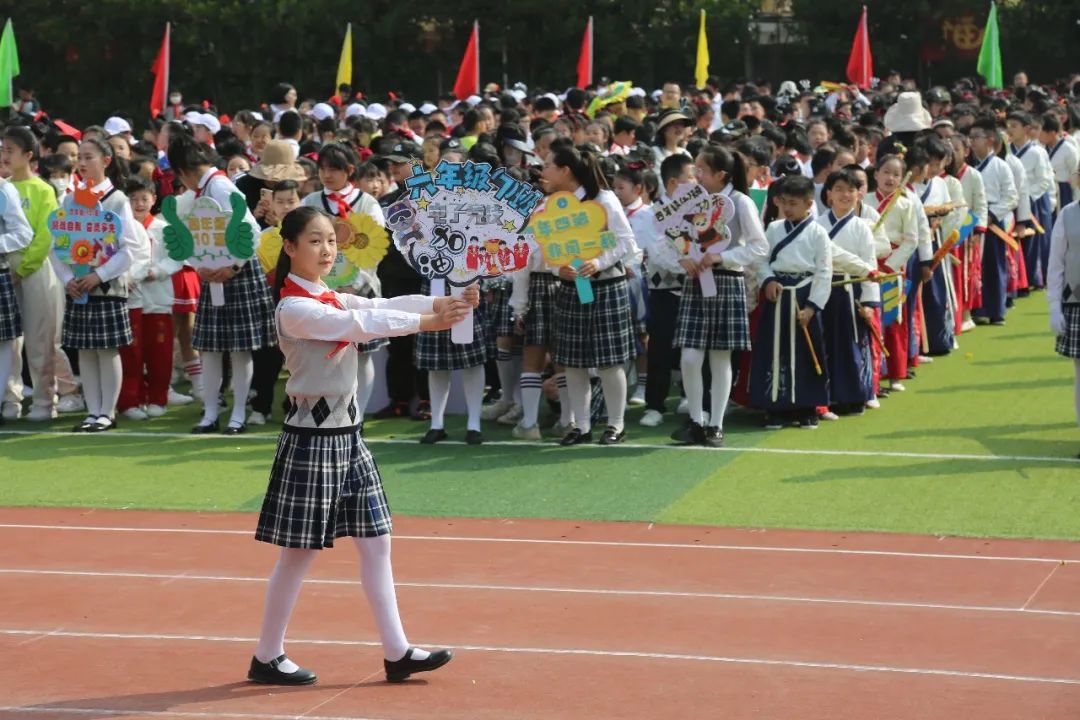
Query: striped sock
x,y
566,413
531,389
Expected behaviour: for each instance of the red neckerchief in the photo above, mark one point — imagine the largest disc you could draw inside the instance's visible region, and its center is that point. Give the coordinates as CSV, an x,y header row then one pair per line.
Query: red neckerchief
x,y
343,207
148,221
200,190
630,213
291,289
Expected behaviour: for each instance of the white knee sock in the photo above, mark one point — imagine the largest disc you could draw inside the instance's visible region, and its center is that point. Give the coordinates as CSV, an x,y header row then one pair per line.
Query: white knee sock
x,y
720,365
579,393
613,380
377,576
692,362
7,357
507,379
90,373
365,382
243,369
517,360
531,391
213,370
566,410
112,374
439,388
474,395
281,594
1076,384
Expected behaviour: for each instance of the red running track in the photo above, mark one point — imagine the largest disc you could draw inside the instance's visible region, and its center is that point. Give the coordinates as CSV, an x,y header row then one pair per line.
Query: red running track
x,y
154,615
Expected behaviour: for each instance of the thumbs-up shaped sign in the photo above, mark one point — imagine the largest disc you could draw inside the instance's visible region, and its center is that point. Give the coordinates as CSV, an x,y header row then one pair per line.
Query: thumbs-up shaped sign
x,y
178,240
239,238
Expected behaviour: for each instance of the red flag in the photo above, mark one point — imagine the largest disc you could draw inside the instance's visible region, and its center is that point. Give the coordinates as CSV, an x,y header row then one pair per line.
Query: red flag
x,y
860,66
468,76
584,63
160,93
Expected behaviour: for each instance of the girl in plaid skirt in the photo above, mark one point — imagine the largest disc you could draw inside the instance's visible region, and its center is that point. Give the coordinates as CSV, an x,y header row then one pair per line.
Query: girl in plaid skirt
x,y
597,334
245,322
99,327
718,325
15,234
324,483
1063,289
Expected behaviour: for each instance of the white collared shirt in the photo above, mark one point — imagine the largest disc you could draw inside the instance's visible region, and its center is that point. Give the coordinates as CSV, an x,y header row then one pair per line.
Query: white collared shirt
x,y
1039,175
853,250
809,252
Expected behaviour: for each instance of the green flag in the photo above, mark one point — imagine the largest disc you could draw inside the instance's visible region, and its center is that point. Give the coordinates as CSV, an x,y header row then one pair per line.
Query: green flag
x,y
990,53
9,64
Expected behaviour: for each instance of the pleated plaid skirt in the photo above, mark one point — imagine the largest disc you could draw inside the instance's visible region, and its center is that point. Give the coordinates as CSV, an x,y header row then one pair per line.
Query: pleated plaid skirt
x,y
10,320
714,323
324,485
540,320
101,323
597,334
436,351
1068,344
244,323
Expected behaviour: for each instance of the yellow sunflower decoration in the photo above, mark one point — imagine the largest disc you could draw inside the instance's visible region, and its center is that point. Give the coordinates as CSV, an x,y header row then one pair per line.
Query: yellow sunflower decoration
x,y
363,241
269,248
614,93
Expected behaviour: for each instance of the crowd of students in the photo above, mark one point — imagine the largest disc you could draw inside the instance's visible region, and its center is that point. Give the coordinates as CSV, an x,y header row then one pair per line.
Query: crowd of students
x,y
837,192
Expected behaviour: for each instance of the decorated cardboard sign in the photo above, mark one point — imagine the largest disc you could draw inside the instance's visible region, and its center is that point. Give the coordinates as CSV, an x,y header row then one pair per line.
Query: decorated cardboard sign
x,y
695,223
209,236
84,234
569,231
361,242
460,223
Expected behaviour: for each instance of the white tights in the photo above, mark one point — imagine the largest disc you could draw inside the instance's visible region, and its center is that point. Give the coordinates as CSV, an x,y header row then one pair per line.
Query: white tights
x,y
101,373
213,366
693,363
439,387
613,380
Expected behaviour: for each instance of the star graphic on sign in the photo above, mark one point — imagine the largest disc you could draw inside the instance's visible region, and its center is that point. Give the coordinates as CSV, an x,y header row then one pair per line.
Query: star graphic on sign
x,y
508,226
459,190
423,203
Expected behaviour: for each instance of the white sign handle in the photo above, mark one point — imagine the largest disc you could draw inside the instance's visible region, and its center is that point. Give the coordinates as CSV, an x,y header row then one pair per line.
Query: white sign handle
x,y
461,333
217,294
705,277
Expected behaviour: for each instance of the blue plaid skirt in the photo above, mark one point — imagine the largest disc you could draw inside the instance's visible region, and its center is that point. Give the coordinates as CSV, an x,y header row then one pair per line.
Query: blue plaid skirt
x,y
713,323
10,320
100,323
324,485
597,334
245,322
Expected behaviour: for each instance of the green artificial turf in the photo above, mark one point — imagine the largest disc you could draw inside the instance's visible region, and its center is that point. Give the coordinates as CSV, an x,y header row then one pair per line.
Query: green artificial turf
x,y
1004,396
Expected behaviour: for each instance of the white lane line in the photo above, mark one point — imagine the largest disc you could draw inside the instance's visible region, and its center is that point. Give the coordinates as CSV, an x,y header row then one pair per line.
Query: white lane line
x,y
583,652
794,599
50,711
258,437
584,543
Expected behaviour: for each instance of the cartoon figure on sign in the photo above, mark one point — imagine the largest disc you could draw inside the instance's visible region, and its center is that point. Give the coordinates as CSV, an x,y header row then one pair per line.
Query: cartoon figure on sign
x,y
84,233
711,227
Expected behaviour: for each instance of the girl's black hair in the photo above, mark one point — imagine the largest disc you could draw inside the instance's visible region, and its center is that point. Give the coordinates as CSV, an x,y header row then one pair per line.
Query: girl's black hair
x,y
338,156
186,154
733,164
277,95
54,163
24,139
292,225
247,117
367,171
583,166
632,173
651,183
115,171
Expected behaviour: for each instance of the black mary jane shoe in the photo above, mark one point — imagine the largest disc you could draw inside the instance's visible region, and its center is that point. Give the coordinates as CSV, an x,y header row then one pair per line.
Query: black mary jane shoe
x,y
206,429
474,437
576,437
98,426
85,425
692,433
714,437
433,436
612,436
268,674
235,430
400,670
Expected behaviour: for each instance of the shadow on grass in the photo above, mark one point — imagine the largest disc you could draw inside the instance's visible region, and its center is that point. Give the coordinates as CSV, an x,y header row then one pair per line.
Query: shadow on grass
x,y
998,439
940,469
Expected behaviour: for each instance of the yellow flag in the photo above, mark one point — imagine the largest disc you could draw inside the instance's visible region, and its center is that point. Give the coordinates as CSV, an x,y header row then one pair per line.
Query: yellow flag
x,y
344,66
701,71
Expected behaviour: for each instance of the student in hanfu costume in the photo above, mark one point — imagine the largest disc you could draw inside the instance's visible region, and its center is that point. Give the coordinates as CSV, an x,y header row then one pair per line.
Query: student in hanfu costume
x,y
1040,187
1002,198
938,303
968,274
852,318
788,378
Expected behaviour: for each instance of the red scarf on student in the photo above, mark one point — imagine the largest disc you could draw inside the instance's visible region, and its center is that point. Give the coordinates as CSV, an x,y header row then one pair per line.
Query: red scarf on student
x,y
343,207
291,289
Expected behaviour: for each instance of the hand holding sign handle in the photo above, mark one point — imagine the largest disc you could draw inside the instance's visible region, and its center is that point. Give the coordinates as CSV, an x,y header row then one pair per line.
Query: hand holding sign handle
x,y
584,287
461,333
239,237
178,240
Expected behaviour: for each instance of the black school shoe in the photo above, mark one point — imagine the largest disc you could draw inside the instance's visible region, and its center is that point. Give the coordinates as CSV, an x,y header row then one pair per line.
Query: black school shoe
x,y
689,434
474,437
235,430
98,426
206,429
433,436
714,437
612,436
576,437
400,670
268,674
85,425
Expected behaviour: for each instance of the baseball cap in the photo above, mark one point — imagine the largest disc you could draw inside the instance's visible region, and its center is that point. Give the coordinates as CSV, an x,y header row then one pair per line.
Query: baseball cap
x,y
116,125
376,111
405,151
322,111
